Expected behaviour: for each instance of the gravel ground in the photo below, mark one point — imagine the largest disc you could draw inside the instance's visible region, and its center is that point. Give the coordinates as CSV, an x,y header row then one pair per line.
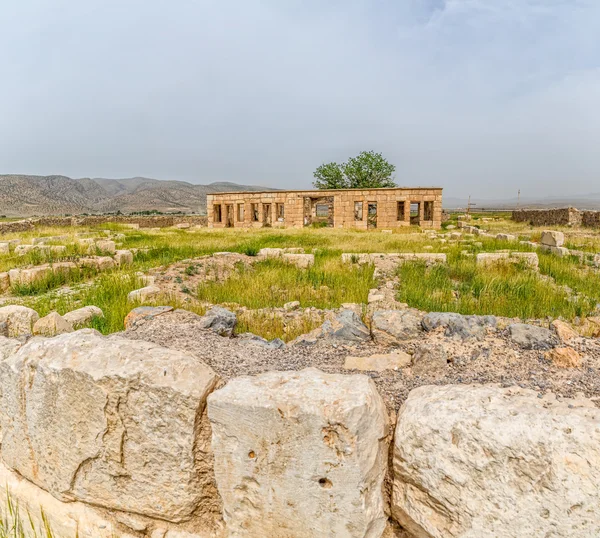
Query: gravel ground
x,y
495,359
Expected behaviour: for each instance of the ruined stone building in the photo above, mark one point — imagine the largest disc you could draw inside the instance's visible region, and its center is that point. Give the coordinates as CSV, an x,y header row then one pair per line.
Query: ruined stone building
x,y
338,208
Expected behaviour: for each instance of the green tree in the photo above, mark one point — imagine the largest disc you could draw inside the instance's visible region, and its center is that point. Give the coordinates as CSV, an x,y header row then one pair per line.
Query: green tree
x,y
369,170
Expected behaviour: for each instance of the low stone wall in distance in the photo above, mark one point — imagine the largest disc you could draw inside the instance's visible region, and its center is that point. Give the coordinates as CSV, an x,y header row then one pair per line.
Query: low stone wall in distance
x,y
566,216
149,221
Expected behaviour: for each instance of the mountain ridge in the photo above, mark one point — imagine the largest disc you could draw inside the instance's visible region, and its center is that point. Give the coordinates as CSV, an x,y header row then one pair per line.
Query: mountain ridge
x,y
24,195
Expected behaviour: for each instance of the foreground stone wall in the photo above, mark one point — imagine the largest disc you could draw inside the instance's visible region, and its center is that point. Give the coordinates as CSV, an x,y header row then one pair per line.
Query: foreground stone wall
x,y
156,221
121,438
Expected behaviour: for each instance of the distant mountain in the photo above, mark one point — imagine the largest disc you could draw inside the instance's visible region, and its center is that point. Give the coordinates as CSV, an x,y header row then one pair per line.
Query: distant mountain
x,y
585,201
22,195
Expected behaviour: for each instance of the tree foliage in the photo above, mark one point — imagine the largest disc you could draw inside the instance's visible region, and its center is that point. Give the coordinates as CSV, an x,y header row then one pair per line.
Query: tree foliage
x,y
369,170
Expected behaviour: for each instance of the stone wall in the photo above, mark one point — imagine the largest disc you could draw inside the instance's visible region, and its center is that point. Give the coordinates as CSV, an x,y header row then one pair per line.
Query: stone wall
x,y
120,438
393,208
150,221
567,216
591,219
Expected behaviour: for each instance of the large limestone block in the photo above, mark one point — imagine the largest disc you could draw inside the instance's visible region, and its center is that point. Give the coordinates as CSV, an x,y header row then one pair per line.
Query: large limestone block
x,y
394,326
4,248
123,257
83,316
19,319
300,454
147,293
553,238
68,520
105,246
475,461
110,422
99,263
51,325
25,277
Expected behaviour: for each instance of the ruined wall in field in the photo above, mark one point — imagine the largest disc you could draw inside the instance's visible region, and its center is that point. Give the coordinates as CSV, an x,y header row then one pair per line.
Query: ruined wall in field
x,y
567,216
591,219
152,221
123,438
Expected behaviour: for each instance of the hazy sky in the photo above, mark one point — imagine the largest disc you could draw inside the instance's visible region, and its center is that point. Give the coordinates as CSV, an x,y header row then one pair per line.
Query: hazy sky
x,y
478,96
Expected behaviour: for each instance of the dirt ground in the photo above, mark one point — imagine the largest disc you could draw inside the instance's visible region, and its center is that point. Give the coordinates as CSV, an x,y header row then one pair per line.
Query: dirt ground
x,y
494,359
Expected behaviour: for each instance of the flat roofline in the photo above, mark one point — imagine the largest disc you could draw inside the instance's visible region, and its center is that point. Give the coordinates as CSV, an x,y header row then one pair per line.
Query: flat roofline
x,y
329,190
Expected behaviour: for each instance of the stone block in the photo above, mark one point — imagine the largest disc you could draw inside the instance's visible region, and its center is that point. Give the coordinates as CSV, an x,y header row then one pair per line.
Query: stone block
x,y
111,422
19,319
303,261
51,325
123,257
478,461
4,248
83,316
552,238
300,454
147,293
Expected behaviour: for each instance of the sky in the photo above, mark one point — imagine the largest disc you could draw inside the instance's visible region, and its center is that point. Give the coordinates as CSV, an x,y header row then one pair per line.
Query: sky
x,y
481,97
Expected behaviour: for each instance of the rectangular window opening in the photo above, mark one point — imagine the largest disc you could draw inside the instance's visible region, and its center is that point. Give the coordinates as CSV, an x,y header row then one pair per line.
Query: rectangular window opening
x,y
400,211
254,212
427,210
217,213
280,212
240,212
358,211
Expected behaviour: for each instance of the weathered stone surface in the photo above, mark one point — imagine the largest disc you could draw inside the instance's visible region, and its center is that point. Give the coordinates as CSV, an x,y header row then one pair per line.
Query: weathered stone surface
x,y
251,339
303,261
292,305
8,346
147,293
21,250
19,319
106,246
532,337
564,357
300,454
345,327
51,325
4,282
66,520
391,327
459,325
109,421
220,320
479,461
564,331
144,313
487,258
83,316
64,268
552,238
506,237
4,248
429,359
378,362
99,263
123,257
25,277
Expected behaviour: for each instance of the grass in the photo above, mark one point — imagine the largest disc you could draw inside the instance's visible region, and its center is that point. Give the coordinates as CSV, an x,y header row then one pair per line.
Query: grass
x,y
460,286
510,290
270,326
15,525
272,283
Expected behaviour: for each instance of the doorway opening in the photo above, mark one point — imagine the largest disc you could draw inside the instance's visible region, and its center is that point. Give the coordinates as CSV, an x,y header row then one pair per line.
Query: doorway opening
x,y
372,215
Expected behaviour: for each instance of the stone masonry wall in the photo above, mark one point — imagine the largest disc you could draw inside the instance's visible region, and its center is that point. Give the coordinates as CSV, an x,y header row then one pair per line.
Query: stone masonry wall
x,y
344,201
113,437
567,216
151,221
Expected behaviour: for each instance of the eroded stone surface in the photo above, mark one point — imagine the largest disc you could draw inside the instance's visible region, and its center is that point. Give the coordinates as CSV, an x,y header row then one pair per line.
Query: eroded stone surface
x,y
19,319
51,325
475,461
300,454
83,316
111,422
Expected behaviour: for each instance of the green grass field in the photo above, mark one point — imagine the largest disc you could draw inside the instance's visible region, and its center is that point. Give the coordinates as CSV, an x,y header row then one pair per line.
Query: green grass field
x,y
563,288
